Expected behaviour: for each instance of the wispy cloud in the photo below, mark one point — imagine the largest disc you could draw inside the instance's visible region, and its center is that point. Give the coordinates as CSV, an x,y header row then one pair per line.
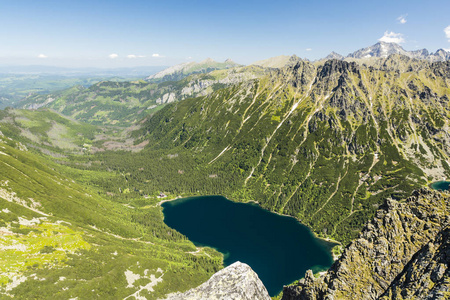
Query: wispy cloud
x,y
447,32
308,49
402,19
114,55
392,37
156,55
135,56
42,56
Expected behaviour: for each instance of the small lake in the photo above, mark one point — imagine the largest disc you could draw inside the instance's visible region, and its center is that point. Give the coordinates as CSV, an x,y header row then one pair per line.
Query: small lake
x,y
278,248
440,185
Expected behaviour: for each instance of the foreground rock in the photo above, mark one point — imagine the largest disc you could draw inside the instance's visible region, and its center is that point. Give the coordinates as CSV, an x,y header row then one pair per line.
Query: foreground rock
x,y
236,282
403,253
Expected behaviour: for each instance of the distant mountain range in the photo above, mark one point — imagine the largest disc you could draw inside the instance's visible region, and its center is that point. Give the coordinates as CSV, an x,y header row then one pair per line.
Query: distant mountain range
x,y
52,70
382,49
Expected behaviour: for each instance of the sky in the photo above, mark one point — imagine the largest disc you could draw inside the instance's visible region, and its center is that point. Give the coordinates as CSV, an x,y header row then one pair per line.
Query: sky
x,y
116,33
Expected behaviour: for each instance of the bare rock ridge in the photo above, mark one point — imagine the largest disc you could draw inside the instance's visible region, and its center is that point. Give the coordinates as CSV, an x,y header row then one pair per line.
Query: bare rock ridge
x,y
403,253
236,282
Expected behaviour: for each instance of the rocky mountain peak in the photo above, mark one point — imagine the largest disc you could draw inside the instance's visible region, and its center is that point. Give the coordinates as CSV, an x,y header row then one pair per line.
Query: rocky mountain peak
x,y
380,49
383,50
334,55
441,55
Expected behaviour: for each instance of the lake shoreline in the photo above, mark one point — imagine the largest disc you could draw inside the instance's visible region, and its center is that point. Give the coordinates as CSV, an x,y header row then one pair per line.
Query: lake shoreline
x,y
325,239
441,186
244,231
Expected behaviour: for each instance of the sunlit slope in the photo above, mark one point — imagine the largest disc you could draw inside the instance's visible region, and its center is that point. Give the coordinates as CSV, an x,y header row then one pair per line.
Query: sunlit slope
x,y
125,103
325,144
59,238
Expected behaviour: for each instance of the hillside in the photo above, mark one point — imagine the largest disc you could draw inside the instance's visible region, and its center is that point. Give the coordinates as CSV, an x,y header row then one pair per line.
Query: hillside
x,y
126,103
14,87
325,144
401,254
61,237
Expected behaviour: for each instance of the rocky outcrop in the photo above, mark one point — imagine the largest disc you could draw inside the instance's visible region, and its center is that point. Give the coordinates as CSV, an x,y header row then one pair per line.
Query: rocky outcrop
x,y
403,253
237,281
427,275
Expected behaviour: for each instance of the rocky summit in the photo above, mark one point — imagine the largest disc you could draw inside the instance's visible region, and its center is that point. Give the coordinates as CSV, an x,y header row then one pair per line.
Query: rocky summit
x,y
383,49
403,253
236,282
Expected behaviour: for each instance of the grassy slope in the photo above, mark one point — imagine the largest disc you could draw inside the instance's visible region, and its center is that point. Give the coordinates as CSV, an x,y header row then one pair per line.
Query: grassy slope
x,y
14,87
82,243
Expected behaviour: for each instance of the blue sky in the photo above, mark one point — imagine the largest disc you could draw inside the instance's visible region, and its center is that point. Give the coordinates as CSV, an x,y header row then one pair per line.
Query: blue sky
x,y
141,33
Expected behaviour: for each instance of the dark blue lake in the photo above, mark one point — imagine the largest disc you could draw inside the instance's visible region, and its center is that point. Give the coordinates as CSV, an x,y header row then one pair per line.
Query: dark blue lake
x,y
278,248
441,185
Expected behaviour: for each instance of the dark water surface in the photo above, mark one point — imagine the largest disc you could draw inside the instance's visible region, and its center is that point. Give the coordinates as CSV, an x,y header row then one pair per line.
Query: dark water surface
x,y
278,248
440,185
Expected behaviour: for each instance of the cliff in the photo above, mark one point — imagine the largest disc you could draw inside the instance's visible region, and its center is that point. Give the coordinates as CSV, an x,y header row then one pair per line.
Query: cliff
x,y
403,253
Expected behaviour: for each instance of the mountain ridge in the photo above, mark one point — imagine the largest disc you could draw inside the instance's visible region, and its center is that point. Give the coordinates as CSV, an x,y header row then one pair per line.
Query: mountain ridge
x,y
383,50
328,140
183,70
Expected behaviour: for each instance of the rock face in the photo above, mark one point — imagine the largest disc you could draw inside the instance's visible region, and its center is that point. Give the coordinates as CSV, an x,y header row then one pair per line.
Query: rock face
x,y
403,253
237,281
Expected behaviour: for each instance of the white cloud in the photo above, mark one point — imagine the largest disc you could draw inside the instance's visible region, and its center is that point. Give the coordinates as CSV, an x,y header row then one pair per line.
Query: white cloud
x,y
402,19
447,32
392,37
42,56
156,55
308,49
135,56
114,55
